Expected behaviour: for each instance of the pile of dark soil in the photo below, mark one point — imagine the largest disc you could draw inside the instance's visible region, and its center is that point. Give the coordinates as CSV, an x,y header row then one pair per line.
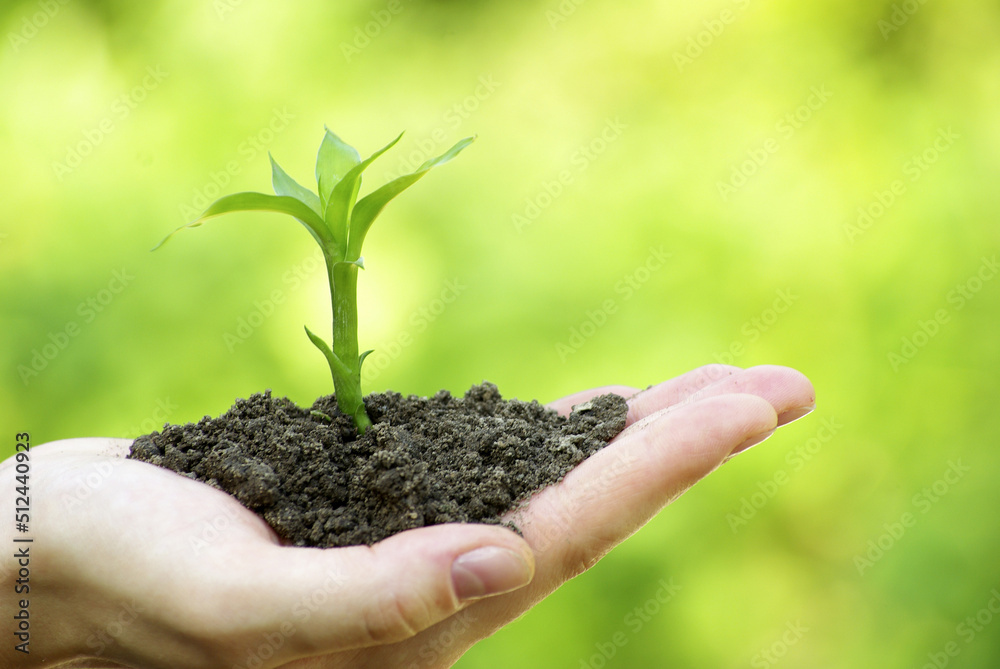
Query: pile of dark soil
x,y
424,461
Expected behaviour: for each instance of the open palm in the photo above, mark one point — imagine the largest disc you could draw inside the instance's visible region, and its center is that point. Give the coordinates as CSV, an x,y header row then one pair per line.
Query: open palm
x,y
141,566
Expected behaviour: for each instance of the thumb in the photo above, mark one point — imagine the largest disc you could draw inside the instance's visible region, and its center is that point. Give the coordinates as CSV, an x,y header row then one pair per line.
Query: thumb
x,y
327,600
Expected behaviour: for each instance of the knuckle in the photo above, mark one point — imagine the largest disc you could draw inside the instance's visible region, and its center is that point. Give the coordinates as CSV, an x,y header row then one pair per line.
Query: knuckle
x,y
713,372
584,550
396,616
578,559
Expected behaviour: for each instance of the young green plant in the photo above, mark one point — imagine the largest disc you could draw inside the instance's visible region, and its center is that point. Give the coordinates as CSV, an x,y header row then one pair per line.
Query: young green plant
x,y
338,221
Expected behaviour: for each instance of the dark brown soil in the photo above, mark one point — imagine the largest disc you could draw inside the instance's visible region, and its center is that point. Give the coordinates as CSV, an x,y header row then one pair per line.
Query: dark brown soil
x,y
424,461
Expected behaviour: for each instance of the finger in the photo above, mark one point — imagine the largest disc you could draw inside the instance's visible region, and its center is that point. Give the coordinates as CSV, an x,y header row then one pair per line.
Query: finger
x,y
788,390
571,525
614,492
100,446
323,600
676,390
566,404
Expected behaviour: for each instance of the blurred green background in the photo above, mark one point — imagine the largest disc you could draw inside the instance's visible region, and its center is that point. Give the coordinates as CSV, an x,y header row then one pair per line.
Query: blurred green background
x,y
655,186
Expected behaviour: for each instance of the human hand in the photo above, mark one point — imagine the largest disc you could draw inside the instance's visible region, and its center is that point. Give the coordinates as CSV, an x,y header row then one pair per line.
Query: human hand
x,y
140,566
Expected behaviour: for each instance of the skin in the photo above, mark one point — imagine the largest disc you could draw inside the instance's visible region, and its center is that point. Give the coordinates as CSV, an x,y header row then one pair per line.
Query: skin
x,y
136,566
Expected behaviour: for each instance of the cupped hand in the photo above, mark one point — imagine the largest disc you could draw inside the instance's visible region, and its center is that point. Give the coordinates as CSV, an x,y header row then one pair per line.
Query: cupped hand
x,y
139,566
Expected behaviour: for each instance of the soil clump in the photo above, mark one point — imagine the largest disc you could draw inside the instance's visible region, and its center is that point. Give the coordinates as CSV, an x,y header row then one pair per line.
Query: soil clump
x,y
424,461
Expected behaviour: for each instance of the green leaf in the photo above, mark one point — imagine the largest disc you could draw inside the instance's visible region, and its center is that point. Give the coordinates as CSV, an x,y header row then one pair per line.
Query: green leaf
x,y
359,261
361,419
261,202
447,155
369,207
286,185
322,416
336,366
338,210
334,160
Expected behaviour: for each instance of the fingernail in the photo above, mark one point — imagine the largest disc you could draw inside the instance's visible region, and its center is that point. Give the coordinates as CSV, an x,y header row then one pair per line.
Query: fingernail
x,y
489,571
752,441
794,414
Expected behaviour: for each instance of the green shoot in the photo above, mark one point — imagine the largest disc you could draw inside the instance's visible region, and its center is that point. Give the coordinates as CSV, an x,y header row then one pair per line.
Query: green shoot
x,y
338,221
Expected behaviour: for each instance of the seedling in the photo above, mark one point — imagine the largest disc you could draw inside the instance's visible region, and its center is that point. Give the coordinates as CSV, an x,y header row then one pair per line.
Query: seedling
x,y
338,221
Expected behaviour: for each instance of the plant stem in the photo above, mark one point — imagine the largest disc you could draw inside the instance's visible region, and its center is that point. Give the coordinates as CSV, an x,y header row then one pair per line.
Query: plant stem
x,y
344,292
